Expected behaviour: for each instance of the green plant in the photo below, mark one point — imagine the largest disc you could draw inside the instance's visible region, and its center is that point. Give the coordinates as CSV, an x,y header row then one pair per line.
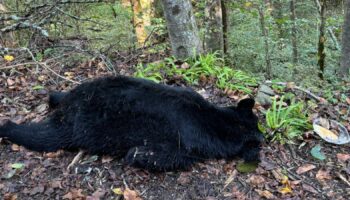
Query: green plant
x,y
288,122
209,65
151,72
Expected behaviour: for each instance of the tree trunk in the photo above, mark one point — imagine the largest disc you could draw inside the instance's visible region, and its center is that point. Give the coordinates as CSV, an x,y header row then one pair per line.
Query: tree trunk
x,y
345,60
182,28
225,23
141,18
277,14
266,42
294,32
214,37
322,39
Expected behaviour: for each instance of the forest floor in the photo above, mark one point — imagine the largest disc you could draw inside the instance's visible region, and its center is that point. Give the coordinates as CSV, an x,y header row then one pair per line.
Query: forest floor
x,y
285,172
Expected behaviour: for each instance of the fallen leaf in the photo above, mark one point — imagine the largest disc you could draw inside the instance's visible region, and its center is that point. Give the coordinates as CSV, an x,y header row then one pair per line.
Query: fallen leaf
x,y
323,175
17,166
246,167
230,178
256,180
117,191
74,194
107,159
309,188
325,133
9,58
10,82
185,65
305,168
97,195
316,152
184,178
37,190
265,193
348,100
286,190
131,195
343,157
10,196
41,108
15,147
278,174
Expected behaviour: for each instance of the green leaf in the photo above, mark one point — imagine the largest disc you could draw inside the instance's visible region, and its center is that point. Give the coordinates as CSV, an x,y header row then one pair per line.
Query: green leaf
x,y
247,167
38,87
316,152
17,165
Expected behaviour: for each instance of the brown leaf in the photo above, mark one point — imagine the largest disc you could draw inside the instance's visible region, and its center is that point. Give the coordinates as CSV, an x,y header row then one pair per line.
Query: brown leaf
x,y
54,154
131,195
184,178
305,168
342,157
237,194
309,188
348,100
37,190
256,180
97,195
15,147
265,193
185,65
10,196
10,82
323,175
74,194
106,159
56,184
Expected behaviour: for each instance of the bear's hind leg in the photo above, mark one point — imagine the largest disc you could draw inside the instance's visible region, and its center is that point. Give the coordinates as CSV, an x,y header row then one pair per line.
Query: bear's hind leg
x,y
160,157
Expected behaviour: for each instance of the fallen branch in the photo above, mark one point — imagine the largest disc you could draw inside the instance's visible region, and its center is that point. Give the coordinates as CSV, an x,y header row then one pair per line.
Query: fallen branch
x,y
42,64
291,85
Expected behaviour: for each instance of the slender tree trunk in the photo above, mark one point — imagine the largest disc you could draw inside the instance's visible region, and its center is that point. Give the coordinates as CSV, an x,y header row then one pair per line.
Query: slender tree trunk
x,y
214,38
225,23
182,28
266,42
141,18
277,14
294,32
322,39
345,59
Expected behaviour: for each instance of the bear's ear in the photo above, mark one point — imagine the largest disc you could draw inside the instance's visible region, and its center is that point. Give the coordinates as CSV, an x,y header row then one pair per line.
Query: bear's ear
x,y
246,104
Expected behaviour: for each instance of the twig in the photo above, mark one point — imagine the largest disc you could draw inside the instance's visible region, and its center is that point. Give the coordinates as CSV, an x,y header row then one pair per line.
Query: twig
x,y
298,88
75,159
343,178
334,39
42,64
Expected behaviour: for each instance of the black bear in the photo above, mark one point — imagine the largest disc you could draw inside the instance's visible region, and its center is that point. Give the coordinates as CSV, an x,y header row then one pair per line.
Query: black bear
x,y
152,126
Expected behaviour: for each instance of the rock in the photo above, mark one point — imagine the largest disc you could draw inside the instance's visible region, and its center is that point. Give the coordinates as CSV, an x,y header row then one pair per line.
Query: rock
x,y
264,95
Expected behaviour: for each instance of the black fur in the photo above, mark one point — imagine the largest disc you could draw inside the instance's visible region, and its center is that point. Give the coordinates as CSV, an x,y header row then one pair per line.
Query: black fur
x,y
152,126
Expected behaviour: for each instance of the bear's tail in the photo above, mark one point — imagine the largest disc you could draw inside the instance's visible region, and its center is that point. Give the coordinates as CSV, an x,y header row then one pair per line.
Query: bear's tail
x,y
42,137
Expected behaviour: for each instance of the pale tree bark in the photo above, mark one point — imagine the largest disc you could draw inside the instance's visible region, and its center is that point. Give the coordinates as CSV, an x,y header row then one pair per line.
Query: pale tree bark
x,y
214,37
141,18
294,32
345,59
182,28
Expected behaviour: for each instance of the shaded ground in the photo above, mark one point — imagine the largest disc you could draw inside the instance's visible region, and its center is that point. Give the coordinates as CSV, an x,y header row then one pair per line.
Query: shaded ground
x,y
44,176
